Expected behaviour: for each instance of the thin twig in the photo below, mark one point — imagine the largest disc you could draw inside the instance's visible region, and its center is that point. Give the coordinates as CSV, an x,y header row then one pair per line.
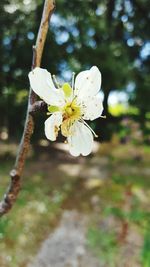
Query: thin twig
x,y
38,106
33,105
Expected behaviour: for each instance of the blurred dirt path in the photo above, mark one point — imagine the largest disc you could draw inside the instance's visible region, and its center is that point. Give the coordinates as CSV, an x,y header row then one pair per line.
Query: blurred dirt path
x,y
66,246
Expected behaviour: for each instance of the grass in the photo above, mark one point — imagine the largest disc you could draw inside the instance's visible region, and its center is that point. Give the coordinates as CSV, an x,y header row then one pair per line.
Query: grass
x,y
34,215
104,244
123,224
117,205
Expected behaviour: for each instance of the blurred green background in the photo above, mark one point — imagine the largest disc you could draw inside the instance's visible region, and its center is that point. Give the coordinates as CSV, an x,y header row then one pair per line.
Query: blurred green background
x,y
111,186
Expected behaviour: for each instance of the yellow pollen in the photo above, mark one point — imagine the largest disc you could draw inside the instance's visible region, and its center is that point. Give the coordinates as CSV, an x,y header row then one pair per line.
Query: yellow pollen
x,y
71,113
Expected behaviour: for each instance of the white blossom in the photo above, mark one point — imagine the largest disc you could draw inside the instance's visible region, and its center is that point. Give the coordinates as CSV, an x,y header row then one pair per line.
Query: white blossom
x,y
69,107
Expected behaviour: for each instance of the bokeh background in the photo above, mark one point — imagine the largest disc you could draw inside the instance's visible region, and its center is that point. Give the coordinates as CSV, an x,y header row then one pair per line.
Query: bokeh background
x,y
107,193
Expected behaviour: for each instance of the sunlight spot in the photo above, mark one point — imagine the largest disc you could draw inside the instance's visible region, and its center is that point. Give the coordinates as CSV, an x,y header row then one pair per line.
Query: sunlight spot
x,y
11,8
43,143
70,169
93,183
4,135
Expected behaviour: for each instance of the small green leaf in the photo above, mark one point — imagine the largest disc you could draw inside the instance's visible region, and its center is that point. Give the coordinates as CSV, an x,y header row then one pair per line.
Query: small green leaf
x,y
53,109
67,89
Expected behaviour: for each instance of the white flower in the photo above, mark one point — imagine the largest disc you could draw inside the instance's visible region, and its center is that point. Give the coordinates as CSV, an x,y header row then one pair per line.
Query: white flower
x,y
69,106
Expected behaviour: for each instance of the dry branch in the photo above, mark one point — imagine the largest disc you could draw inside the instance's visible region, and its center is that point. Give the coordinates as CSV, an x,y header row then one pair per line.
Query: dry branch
x,y
33,105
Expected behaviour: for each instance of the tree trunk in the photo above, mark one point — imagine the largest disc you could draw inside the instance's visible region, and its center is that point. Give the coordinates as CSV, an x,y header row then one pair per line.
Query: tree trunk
x,y
105,103
142,118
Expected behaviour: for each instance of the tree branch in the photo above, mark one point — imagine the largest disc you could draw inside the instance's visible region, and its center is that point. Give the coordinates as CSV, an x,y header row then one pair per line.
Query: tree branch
x,y
38,106
33,105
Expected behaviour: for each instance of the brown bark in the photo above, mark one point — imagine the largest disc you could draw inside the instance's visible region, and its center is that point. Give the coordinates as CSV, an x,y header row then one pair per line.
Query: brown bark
x,y
33,105
105,103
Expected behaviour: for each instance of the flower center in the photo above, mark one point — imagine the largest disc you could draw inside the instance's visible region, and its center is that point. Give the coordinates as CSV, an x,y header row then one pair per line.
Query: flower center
x,y
71,113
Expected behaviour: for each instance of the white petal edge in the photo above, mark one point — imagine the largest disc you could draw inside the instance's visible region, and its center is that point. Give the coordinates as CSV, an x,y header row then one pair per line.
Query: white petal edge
x,y
52,126
81,140
42,84
93,108
88,83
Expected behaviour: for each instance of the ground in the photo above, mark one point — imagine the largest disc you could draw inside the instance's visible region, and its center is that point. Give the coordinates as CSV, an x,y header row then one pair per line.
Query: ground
x,y
91,211
67,245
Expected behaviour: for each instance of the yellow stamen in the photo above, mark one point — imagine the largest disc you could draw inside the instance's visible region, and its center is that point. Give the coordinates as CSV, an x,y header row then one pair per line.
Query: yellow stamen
x,y
71,113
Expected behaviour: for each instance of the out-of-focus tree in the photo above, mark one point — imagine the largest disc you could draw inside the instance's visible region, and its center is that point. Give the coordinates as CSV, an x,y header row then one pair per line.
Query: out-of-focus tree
x,y
139,43
96,37
15,50
111,34
19,22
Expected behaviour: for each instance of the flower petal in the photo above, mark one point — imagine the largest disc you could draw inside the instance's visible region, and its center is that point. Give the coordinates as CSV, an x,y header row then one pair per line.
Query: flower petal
x,y
88,83
68,91
42,84
52,126
81,140
93,108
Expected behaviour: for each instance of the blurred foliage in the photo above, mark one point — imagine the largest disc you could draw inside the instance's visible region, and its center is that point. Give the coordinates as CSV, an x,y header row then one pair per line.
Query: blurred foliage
x,y
114,35
146,250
